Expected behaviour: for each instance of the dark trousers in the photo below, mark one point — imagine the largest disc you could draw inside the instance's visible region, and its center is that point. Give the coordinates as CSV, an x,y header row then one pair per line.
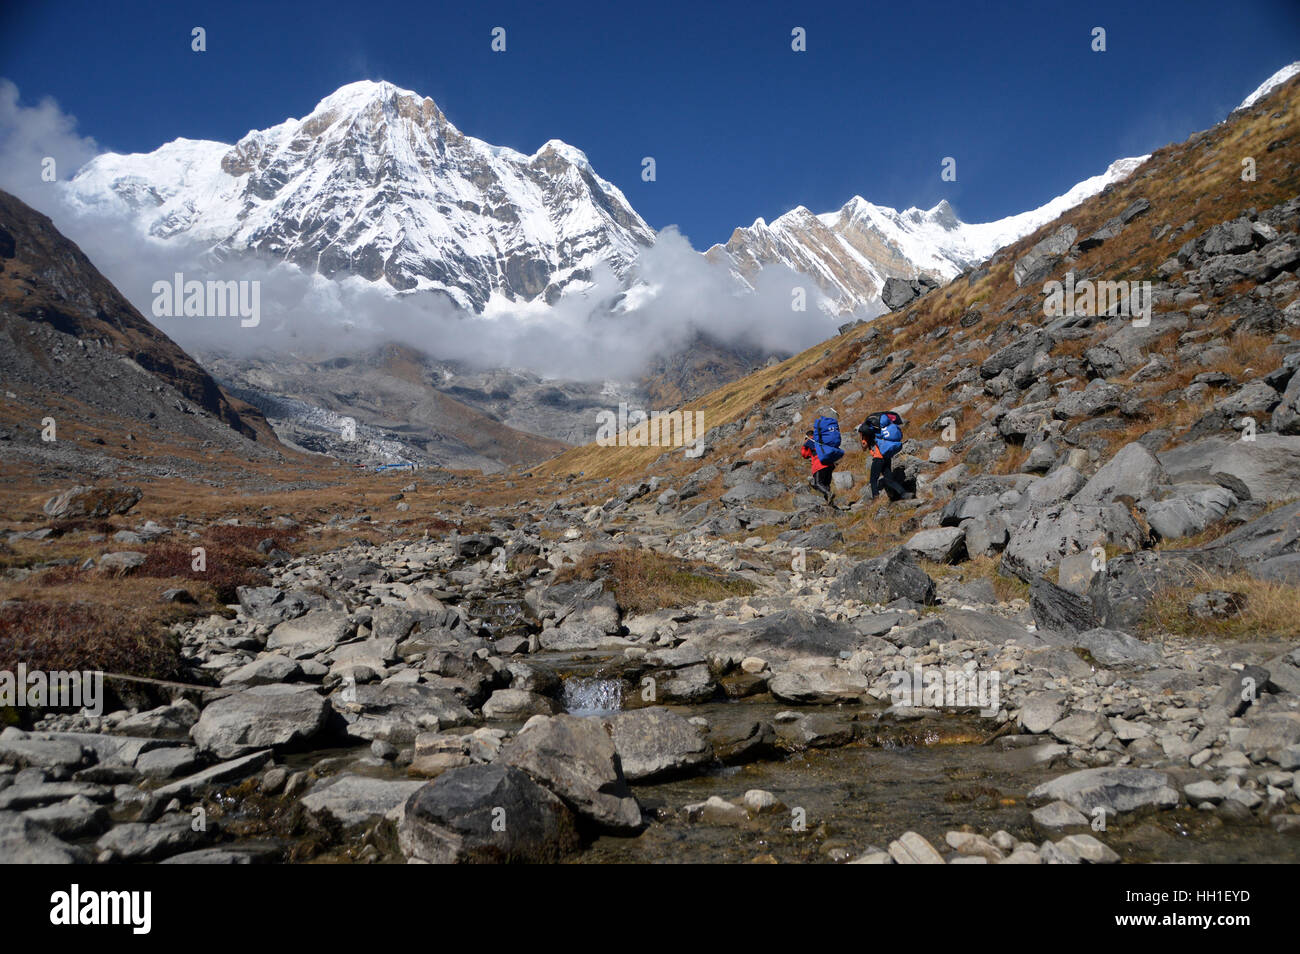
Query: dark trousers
x,y
882,477
822,479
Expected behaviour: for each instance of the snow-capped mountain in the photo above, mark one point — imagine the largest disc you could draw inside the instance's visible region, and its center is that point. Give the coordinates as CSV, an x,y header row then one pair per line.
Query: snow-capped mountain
x,y
375,182
1270,84
850,253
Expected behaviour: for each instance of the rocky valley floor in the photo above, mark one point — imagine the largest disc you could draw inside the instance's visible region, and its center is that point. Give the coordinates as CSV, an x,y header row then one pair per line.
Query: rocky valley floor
x,y
502,686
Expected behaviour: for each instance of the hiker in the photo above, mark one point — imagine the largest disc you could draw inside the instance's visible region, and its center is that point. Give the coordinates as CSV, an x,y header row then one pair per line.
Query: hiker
x,y
822,447
882,436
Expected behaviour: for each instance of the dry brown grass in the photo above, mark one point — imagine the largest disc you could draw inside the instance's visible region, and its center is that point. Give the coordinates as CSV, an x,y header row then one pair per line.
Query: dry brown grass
x,y
643,580
1269,608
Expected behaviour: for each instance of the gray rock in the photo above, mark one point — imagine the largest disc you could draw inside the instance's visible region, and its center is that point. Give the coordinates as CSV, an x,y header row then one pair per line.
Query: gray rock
x,y
144,841
1187,514
92,502
883,580
1057,815
262,717
1113,789
1133,472
355,799
1112,648
24,842
517,704
656,742
485,814
220,774
265,669
1041,711
940,545
1039,543
315,632
574,757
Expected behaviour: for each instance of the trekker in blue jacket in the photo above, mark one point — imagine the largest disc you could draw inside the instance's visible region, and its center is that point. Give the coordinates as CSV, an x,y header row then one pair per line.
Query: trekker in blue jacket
x,y
882,437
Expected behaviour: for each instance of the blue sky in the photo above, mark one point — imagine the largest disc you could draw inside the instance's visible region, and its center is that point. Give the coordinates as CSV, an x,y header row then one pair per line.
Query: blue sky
x,y
740,125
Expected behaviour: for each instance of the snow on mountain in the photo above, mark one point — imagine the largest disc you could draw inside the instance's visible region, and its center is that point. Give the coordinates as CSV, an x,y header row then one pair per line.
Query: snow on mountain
x,y
376,182
850,253
1270,84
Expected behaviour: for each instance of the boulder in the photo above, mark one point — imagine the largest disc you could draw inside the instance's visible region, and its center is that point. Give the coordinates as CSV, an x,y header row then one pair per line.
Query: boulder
x,y
656,742
356,799
273,716
883,580
1188,513
92,502
1133,472
1038,543
315,632
574,757
1111,789
940,545
1265,469
485,814
517,704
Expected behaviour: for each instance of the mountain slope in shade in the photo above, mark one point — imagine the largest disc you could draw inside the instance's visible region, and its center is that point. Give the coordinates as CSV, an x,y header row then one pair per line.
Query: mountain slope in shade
x,y
851,252
376,182
65,331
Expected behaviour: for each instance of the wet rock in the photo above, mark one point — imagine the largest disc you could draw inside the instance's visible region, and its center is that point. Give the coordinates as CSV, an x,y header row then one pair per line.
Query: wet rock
x,y
750,742
716,811
223,773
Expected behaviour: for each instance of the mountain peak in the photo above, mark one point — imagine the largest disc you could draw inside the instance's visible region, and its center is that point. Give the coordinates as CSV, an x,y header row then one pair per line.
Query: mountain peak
x,y
362,93
1270,84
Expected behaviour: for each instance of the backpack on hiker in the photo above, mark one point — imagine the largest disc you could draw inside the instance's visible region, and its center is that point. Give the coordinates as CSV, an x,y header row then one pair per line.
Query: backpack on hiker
x,y
826,437
883,431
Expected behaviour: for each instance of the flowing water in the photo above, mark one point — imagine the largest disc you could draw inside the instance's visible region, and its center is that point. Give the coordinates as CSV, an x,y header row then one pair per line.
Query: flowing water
x,y
592,696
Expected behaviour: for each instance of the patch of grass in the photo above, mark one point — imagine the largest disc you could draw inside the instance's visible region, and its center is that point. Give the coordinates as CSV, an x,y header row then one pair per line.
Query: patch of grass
x,y
643,580
1268,608
82,635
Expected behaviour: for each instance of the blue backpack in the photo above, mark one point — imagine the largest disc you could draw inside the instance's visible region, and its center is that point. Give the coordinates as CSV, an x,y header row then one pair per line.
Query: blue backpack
x,y
826,435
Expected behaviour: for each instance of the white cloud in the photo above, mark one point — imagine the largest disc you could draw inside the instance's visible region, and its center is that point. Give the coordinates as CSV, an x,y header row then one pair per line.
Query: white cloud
x,y
30,134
